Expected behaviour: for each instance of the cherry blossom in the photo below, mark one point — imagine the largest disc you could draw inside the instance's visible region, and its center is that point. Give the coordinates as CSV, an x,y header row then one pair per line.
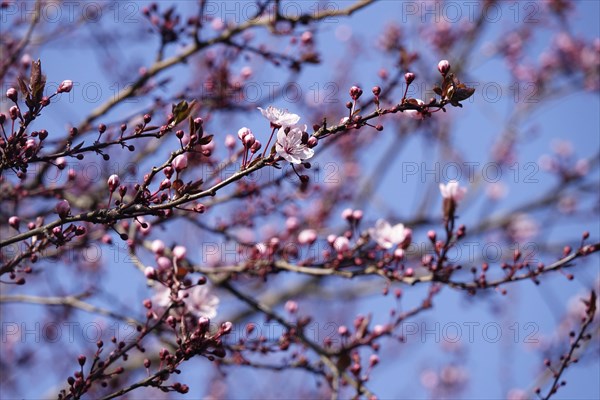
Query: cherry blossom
x,y
290,147
387,235
280,118
200,300
453,190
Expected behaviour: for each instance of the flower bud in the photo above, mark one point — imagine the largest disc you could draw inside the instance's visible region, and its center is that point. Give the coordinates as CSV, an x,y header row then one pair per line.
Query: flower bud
x,y
63,208
113,182
341,244
14,222
150,272
65,86
443,67
312,142
255,147
248,140
291,306
376,90
13,112
355,92
409,77
179,252
243,132
229,142
12,94
347,214
180,162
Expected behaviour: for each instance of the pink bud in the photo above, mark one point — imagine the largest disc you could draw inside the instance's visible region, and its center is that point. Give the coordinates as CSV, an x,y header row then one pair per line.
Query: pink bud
x,y
409,77
243,132
163,263
355,92
373,360
203,321
246,72
291,306
312,142
113,182
157,247
13,112
255,147
226,327
347,214
14,221
248,140
12,94
443,67
229,142
341,244
357,215
431,235
307,236
65,86
306,37
399,254
165,184
179,252
180,162
150,273
63,208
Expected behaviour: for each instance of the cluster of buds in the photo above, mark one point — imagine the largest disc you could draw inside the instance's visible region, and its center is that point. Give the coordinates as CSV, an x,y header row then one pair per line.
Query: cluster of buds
x,y
250,144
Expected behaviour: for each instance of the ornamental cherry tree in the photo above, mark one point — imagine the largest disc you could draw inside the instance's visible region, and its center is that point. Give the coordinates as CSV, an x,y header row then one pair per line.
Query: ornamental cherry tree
x,y
409,208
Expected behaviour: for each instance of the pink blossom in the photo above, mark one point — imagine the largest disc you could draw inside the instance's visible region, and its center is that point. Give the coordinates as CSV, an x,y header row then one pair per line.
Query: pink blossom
x,y
290,147
452,190
387,235
522,228
200,301
280,118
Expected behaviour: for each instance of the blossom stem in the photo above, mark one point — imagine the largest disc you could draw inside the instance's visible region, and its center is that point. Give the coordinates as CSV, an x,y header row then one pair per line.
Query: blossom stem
x,y
269,142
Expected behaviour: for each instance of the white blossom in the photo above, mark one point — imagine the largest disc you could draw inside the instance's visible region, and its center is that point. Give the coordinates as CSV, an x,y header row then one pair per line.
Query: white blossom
x,y
280,118
452,190
387,235
290,146
200,300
